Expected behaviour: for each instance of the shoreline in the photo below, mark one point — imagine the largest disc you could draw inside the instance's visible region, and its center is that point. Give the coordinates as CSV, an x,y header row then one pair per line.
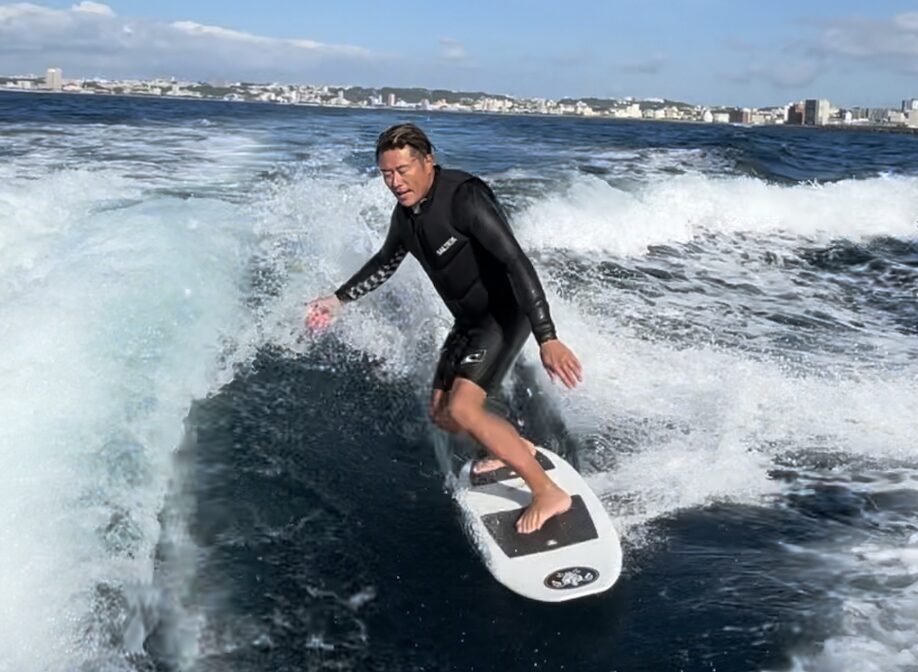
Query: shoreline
x,y
864,128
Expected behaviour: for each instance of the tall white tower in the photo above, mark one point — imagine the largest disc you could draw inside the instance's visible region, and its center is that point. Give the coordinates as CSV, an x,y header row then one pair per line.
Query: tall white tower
x,y
54,79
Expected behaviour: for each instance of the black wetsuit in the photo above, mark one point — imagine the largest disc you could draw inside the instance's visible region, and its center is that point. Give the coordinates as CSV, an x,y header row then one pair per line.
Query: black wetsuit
x,y
463,241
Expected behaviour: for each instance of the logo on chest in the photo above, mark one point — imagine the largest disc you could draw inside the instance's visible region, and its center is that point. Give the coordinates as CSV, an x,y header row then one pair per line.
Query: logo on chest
x,y
445,246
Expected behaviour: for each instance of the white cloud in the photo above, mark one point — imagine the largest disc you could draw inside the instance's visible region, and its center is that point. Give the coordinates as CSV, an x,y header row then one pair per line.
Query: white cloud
x,y
22,9
833,44
93,8
784,75
452,50
907,21
859,38
199,30
90,39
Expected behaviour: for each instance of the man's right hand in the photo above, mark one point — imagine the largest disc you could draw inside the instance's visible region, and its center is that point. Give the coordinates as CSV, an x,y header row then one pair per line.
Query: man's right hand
x,y
320,313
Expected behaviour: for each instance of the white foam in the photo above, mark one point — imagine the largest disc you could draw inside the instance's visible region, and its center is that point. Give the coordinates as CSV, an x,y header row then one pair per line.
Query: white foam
x,y
114,320
317,233
681,427
592,217
685,426
713,419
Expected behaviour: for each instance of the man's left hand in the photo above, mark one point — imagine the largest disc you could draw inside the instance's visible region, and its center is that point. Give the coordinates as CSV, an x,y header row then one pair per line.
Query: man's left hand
x,y
561,363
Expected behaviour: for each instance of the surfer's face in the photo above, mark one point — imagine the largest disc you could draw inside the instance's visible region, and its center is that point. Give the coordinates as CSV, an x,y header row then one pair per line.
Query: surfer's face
x,y
407,174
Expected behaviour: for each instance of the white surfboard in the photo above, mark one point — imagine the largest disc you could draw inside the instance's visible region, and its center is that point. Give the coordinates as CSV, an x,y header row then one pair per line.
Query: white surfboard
x,y
576,553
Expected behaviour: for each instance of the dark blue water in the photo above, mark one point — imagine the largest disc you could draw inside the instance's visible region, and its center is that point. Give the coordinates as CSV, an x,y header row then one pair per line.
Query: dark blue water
x,y
744,300
304,515
492,143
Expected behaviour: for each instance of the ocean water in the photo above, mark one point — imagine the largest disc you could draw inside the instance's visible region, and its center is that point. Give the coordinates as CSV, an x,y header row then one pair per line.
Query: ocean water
x,y
188,481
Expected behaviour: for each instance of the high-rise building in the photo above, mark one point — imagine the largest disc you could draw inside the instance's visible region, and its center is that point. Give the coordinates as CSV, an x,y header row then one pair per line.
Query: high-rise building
x,y
741,116
54,79
795,114
880,115
909,104
390,100
816,112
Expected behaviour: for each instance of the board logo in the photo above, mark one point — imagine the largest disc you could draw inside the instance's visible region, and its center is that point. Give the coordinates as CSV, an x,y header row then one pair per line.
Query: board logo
x,y
572,577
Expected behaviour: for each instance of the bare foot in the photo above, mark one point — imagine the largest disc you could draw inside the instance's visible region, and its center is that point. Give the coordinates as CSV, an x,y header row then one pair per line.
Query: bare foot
x,y
486,464
544,505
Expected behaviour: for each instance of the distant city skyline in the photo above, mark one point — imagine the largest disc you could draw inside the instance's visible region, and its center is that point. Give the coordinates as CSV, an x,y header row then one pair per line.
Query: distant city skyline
x,y
714,52
808,112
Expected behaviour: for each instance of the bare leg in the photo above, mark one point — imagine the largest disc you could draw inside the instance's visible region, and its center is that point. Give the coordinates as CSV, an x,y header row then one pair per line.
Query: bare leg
x,y
466,407
492,463
439,413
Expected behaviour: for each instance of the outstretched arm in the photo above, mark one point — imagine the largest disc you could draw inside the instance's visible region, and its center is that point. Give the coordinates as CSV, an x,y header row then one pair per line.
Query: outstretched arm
x,y
376,271
322,311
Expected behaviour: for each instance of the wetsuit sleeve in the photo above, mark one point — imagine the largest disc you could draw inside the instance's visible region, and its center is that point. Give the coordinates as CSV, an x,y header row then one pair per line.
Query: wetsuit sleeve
x,y
476,210
377,270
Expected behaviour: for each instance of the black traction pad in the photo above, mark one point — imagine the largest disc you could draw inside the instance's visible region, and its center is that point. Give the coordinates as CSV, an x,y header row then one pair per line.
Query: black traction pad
x,y
571,527
505,473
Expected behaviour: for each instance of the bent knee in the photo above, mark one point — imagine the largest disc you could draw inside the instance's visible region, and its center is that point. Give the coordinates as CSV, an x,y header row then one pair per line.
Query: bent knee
x,y
463,412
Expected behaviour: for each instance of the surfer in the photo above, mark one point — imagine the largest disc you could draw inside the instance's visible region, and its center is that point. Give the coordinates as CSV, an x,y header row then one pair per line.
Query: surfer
x,y
452,223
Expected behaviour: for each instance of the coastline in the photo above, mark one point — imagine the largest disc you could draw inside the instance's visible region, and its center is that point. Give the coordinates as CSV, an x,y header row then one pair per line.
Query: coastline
x,y
866,128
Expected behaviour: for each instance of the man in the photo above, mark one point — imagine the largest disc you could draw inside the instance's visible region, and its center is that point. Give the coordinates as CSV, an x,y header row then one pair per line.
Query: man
x,y
451,222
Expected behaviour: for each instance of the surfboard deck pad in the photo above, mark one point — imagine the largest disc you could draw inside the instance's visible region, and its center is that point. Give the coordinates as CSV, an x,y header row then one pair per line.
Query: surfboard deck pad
x,y
506,473
571,527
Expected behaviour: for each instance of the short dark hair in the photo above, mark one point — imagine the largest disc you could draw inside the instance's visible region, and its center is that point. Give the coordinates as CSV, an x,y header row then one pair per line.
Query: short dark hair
x,y
404,135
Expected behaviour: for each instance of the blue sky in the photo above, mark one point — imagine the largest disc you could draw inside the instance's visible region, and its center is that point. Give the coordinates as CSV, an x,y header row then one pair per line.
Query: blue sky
x,y
708,51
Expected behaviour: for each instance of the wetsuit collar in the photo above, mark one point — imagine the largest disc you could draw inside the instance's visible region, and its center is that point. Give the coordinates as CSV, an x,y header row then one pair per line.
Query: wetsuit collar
x,y
425,202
